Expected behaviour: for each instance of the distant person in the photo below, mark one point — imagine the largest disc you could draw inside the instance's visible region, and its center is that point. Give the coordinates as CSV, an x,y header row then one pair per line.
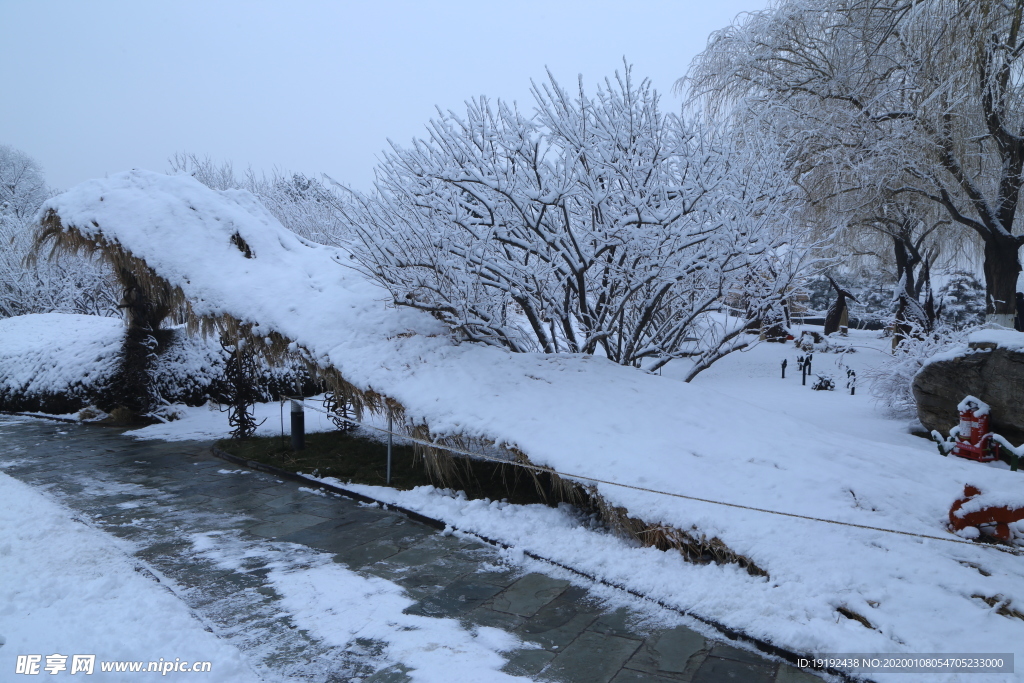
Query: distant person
x,y
1018,320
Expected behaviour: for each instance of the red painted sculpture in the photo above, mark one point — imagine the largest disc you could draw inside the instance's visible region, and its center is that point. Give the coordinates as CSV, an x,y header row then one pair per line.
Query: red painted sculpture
x,y
990,521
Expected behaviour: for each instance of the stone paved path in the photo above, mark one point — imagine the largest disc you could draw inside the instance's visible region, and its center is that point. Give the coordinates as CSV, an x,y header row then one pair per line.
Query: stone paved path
x,y
158,495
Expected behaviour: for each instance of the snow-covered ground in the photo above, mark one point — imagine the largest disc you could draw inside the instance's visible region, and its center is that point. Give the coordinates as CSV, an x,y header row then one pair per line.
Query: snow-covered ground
x,y
211,422
339,606
648,444
932,594
755,376
67,589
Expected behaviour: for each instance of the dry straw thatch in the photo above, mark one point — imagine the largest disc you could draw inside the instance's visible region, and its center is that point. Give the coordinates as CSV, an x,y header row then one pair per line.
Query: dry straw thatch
x,y
149,299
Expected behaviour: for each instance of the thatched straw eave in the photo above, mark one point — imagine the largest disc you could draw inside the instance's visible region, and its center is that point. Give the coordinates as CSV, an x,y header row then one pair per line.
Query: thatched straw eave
x,y
149,298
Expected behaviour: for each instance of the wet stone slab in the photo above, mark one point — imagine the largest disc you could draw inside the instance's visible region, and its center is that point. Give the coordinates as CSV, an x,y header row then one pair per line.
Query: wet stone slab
x,y
163,496
529,594
673,651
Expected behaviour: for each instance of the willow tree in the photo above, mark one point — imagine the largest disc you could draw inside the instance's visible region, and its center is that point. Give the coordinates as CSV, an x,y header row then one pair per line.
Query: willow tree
x,y
902,101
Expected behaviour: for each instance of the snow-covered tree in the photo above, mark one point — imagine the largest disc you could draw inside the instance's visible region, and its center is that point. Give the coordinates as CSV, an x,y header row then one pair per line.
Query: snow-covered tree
x,y
597,225
64,284
962,301
893,101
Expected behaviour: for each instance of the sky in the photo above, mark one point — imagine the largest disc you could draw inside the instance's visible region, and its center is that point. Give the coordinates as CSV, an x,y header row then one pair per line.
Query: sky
x,y
93,88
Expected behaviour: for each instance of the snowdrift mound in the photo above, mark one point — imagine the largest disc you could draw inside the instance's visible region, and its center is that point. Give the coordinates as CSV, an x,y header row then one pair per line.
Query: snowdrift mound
x,y
829,587
56,362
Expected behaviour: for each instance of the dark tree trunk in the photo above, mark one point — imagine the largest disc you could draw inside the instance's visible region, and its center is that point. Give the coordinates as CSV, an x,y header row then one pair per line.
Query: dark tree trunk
x,y
131,390
834,315
1002,266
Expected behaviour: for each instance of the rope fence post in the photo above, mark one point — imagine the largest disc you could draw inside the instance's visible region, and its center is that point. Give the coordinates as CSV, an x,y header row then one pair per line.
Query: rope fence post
x,y
569,475
391,439
298,426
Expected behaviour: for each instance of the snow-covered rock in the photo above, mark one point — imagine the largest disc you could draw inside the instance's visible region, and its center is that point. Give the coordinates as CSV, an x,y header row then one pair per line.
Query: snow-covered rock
x,y
991,368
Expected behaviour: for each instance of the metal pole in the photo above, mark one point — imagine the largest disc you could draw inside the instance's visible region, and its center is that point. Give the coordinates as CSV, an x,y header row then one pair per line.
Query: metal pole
x,y
391,439
298,426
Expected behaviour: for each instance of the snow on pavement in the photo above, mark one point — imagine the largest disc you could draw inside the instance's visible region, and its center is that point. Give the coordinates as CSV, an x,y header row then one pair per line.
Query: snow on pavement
x,y
341,606
68,589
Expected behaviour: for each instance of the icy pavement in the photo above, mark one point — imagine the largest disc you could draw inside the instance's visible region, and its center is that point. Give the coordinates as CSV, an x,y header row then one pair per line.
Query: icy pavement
x,y
318,588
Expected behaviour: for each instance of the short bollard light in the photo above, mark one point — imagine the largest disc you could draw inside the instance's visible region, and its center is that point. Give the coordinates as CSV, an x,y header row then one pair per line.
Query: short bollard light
x,y
298,426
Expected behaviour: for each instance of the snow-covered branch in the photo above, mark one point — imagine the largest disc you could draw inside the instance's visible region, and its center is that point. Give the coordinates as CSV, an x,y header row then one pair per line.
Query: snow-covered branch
x,y
599,225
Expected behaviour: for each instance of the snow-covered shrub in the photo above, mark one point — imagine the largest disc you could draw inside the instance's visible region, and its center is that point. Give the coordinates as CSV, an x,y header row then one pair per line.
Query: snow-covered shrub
x,y
61,363
192,370
814,342
892,381
962,300
824,383
56,362
599,225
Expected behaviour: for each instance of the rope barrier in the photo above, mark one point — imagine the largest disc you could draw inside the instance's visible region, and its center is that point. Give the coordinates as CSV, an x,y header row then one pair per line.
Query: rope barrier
x,y
566,475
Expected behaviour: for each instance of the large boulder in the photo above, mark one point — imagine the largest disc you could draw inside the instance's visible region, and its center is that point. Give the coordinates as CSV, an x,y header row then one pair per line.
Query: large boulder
x,y
991,368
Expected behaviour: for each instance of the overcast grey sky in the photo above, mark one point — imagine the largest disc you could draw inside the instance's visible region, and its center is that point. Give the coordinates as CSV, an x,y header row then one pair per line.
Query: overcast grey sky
x,y
91,88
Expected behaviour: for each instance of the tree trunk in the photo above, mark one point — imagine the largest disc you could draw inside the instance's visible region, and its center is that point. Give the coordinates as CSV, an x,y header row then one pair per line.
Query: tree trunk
x,y
1002,266
130,388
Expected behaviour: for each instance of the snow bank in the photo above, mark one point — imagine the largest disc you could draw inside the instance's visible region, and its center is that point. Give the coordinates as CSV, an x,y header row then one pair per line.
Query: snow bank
x,y
56,362
1000,336
587,417
69,589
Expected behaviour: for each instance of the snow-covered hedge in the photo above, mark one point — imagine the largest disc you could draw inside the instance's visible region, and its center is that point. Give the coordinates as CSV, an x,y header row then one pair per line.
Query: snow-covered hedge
x,y
61,362
56,362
